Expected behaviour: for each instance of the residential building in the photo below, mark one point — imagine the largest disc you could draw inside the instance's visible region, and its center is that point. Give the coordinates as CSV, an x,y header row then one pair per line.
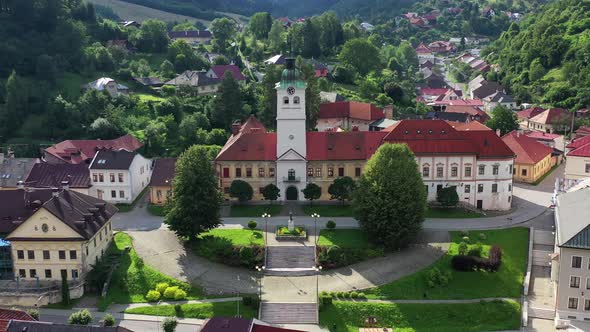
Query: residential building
x,y
347,115
577,165
126,24
424,53
151,81
278,59
14,170
34,326
109,85
331,97
119,176
533,159
6,315
55,231
433,94
448,116
191,36
82,151
549,121
443,47
528,113
476,162
382,124
480,88
197,80
161,181
554,141
499,98
571,260
218,71
583,131
46,175
434,80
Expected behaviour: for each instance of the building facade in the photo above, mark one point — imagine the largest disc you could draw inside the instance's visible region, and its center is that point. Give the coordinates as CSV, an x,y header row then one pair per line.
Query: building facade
x,y
577,165
161,180
533,159
476,162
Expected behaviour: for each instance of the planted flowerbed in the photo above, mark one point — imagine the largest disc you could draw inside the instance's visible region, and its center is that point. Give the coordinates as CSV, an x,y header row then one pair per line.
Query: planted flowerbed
x,y
234,247
298,233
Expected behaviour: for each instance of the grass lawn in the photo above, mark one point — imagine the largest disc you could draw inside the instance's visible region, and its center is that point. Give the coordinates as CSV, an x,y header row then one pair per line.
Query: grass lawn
x,y
156,210
328,210
147,97
197,310
132,278
254,211
237,237
344,238
482,316
507,282
451,213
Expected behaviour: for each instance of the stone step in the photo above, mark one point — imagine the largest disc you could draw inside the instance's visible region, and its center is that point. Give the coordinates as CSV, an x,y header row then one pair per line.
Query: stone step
x,y
290,257
543,313
288,272
289,313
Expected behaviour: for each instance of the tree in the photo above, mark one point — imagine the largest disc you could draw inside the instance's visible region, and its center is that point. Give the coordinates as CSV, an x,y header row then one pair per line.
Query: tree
x,y
311,43
45,68
65,289
194,205
260,24
169,324
227,105
536,70
217,136
271,192
16,107
312,192
152,36
104,129
342,188
390,201
184,26
241,190
504,119
276,39
361,55
82,317
184,57
447,196
224,30
167,69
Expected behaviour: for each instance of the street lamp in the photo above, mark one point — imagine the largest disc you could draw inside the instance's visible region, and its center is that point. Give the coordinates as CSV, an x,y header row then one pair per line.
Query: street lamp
x,y
318,270
158,314
260,270
315,217
265,216
238,298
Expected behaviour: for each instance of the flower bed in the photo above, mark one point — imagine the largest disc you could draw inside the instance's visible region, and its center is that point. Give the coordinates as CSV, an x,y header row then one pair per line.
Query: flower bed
x,y
298,233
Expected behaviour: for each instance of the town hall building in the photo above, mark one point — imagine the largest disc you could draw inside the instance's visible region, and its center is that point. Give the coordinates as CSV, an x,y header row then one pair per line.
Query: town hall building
x,y
474,160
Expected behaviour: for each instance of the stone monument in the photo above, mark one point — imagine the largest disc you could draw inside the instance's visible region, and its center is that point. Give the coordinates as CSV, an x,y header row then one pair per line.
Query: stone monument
x,y
291,224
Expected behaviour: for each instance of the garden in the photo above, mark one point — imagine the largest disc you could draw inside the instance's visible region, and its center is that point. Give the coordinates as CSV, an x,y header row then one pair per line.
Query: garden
x,y
472,254
248,309
341,247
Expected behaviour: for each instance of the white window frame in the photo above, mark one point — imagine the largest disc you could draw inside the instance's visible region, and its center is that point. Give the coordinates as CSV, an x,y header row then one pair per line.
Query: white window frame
x,y
579,281
577,303
581,262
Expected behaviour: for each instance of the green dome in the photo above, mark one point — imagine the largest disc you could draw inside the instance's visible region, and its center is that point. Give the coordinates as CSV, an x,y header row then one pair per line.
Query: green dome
x,y
290,75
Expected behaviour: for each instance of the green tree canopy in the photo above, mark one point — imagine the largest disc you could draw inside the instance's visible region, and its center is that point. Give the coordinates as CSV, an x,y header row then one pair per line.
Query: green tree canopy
x,y
271,192
241,190
227,106
361,55
390,201
312,192
224,30
342,188
152,36
260,24
504,119
448,196
194,205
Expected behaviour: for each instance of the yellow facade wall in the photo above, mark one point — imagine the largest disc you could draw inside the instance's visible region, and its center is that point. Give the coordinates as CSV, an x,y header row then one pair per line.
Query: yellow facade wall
x,y
159,195
530,173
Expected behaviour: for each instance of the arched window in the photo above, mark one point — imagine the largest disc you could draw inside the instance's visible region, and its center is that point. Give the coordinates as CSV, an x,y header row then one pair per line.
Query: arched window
x,y
296,100
286,100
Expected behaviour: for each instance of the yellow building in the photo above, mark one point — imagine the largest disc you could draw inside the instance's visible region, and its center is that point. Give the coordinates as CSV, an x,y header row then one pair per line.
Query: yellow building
x,y
161,180
533,159
55,232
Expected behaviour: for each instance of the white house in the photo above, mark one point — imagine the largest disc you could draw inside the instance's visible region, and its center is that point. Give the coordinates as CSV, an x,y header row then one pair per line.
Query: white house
x,y
119,176
109,85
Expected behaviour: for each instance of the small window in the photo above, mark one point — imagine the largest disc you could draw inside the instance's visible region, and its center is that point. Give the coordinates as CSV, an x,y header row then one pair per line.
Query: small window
x,y
22,273
112,176
494,187
572,303
73,254
30,254
467,171
495,169
48,274
238,172
576,262
286,100
86,250
587,305
94,242
480,188
467,188
439,172
330,172
20,254
357,172
120,175
121,193
481,170
340,171
94,177
523,172
425,171
296,100
33,273
100,177
46,254
226,172
271,172
260,172
454,171
318,172
249,172
574,282
587,170
310,172
62,254
74,274
509,188
113,194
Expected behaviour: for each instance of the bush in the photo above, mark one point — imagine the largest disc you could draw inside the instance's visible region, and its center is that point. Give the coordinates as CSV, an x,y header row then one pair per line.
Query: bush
x,y
466,263
330,225
178,310
354,295
251,301
435,277
346,295
462,248
340,295
247,256
153,296
252,224
108,320
161,287
33,313
170,292
169,324
362,296
475,250
465,239
326,299
464,233
495,258
179,295
82,317
482,237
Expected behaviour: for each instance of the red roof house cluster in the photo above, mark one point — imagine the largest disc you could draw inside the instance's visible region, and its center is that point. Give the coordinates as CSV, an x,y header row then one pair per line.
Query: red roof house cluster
x,y
527,150
441,46
529,113
79,151
6,315
549,116
580,147
350,109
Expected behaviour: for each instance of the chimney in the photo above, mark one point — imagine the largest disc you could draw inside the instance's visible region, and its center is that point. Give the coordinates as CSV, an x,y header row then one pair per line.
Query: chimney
x,y
100,206
87,217
65,185
498,132
20,185
235,127
388,112
54,192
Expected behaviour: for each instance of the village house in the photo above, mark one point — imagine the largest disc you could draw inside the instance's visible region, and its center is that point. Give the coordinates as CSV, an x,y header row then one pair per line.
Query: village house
x,y
119,176
549,121
583,131
331,97
472,107
109,85
46,175
150,81
55,232
533,159
278,59
14,170
82,151
6,315
479,88
347,115
433,79
578,159
191,36
477,163
528,113
499,98
432,94
424,53
161,181
571,257
442,47
206,82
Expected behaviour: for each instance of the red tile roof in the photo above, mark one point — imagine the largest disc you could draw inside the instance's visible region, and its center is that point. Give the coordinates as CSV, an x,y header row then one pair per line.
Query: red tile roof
x,y
541,135
433,91
252,142
470,126
266,328
78,151
530,112
527,150
461,102
582,151
352,145
475,112
163,173
549,116
350,109
422,49
220,70
6,315
579,142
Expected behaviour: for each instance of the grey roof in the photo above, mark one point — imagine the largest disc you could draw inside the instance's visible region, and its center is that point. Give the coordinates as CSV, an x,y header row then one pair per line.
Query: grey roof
x,y
500,97
149,81
382,123
572,217
13,170
33,326
193,78
112,159
190,34
331,97
448,116
101,83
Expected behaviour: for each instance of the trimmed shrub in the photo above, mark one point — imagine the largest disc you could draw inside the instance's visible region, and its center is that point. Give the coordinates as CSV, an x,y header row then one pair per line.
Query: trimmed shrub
x,y
462,248
340,295
178,310
82,317
247,256
161,287
465,239
362,296
354,295
482,237
464,233
108,320
170,292
179,295
475,250
251,301
252,224
153,296
346,295
331,225
435,277
33,313
325,299
466,263
169,324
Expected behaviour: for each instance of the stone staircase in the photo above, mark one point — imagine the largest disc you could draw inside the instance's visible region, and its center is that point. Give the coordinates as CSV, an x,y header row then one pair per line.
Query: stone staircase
x,y
288,313
290,260
543,313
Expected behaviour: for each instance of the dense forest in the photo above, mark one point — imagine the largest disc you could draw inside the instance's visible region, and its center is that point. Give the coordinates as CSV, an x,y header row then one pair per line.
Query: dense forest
x,y
546,59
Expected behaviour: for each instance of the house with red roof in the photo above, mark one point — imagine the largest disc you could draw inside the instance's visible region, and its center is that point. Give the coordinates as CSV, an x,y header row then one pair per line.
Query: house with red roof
x,y
533,159
161,180
442,47
476,162
82,151
6,315
549,121
218,71
424,53
348,115
577,164
528,113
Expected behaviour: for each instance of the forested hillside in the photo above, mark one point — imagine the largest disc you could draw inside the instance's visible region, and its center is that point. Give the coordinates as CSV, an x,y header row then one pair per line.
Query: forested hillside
x,y
546,59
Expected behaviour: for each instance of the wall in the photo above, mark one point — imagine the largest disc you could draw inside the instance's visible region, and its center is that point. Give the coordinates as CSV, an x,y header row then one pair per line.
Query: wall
x,y
164,192
565,291
134,181
39,299
257,182
575,167
533,172
344,123
324,181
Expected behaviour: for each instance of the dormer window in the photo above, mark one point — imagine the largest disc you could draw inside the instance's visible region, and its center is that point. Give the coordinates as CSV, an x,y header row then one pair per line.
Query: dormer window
x,y
442,131
296,100
286,100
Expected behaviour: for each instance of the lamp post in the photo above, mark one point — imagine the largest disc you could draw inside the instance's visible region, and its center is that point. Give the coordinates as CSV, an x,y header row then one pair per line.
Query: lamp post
x,y
315,217
238,298
260,270
158,314
318,270
265,216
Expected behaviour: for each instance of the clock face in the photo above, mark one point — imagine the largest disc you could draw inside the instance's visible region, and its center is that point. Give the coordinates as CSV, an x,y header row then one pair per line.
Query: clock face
x,y
290,90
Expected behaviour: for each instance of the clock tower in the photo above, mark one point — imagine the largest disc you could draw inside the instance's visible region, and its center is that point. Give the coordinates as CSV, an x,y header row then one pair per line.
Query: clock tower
x,y
291,133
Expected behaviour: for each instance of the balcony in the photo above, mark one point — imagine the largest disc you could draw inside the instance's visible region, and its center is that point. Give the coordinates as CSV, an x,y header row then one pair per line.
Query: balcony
x,y
292,179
